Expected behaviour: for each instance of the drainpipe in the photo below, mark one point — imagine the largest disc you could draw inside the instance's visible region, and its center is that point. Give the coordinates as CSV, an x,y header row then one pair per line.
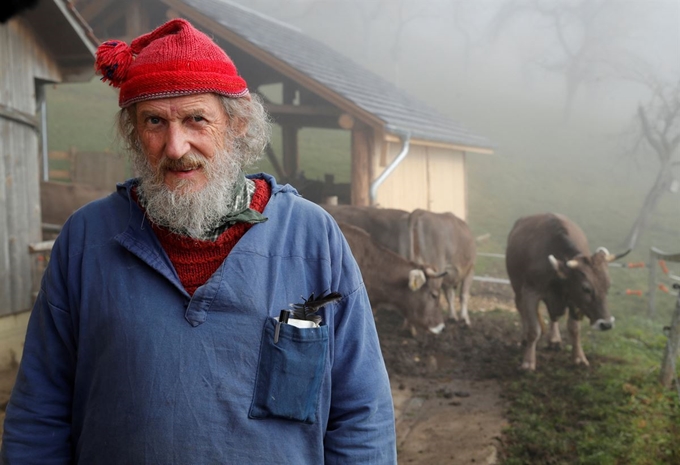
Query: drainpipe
x,y
40,91
406,140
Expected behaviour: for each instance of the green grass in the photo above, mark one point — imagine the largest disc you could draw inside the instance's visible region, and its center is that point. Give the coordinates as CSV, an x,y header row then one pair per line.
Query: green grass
x,y
614,412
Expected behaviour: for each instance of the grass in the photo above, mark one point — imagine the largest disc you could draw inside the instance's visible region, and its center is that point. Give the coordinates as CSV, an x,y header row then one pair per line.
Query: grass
x,y
614,412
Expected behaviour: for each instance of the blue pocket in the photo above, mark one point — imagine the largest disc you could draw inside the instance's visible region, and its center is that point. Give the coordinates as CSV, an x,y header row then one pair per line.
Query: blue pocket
x,y
290,372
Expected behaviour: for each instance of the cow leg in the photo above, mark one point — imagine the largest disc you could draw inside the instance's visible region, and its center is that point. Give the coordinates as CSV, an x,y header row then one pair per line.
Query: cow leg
x,y
574,327
555,336
450,293
407,326
528,309
556,308
465,298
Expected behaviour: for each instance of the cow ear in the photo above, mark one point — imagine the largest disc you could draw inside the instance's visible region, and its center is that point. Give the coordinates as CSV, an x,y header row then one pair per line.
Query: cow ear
x,y
416,279
557,266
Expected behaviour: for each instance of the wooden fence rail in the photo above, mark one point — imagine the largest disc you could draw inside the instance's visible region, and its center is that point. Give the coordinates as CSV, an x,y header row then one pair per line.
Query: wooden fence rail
x,y
99,169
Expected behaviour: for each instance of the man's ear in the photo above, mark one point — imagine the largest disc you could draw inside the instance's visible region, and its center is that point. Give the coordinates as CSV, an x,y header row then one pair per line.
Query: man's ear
x,y
240,125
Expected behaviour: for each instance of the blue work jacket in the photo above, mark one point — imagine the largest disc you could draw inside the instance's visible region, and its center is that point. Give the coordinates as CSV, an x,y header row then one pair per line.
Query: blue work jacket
x,y
122,366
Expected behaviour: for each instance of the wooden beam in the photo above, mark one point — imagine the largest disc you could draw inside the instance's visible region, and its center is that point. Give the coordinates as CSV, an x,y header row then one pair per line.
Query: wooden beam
x,y
309,121
291,155
271,156
19,117
362,147
287,109
441,145
90,10
109,19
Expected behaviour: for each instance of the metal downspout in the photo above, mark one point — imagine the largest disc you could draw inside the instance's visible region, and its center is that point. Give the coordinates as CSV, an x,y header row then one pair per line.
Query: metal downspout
x,y
43,134
406,142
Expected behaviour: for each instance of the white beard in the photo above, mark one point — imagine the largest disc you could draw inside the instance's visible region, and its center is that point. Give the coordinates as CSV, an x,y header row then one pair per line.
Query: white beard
x,y
182,210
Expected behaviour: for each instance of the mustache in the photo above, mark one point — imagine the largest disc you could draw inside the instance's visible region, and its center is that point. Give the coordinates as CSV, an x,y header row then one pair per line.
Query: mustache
x,y
187,162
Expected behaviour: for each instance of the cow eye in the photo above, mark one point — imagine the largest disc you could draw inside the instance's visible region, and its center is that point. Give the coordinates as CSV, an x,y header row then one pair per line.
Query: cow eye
x,y
587,289
434,294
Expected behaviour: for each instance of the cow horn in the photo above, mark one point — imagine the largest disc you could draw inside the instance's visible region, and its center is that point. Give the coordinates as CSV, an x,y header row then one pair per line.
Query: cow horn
x,y
416,279
553,261
432,273
611,257
572,264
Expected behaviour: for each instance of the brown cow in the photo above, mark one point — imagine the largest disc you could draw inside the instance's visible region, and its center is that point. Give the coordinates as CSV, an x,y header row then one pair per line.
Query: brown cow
x,y
440,240
387,226
548,259
445,241
396,283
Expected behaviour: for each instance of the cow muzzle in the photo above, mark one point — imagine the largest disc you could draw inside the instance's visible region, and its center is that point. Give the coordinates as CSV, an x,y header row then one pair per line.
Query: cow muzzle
x,y
437,329
603,325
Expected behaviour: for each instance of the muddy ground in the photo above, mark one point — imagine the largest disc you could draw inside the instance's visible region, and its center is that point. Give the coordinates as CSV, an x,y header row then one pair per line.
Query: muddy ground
x,y
447,389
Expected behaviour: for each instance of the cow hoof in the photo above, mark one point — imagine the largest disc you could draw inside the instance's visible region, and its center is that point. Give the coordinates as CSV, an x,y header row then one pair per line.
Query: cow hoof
x,y
581,362
526,366
437,329
555,346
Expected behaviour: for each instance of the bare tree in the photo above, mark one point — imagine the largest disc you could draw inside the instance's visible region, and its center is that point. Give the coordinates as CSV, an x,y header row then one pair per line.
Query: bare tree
x,y
658,129
587,36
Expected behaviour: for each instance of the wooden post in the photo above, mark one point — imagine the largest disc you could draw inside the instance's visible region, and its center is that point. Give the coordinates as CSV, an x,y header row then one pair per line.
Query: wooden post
x,y
672,345
289,136
72,162
361,164
652,284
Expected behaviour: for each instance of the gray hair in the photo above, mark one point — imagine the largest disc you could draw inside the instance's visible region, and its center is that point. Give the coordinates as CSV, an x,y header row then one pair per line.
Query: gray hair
x,y
248,145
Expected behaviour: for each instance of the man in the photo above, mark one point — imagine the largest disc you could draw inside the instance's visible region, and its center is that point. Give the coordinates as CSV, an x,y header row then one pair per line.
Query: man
x,y
154,339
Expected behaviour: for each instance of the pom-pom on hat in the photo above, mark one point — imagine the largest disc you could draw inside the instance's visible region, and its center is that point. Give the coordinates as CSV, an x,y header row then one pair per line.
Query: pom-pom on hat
x,y
173,60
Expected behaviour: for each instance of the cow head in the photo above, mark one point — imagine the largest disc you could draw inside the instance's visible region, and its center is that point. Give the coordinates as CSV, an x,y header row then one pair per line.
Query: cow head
x,y
424,283
586,282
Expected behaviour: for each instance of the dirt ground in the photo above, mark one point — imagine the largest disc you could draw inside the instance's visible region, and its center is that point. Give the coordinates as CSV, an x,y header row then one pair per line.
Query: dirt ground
x,y
447,389
7,378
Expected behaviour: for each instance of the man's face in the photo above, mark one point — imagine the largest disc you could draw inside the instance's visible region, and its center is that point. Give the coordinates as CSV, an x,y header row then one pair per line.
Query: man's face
x,y
187,165
180,136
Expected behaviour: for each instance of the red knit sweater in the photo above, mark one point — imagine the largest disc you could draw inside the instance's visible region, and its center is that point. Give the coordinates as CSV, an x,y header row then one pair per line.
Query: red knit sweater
x,y
196,260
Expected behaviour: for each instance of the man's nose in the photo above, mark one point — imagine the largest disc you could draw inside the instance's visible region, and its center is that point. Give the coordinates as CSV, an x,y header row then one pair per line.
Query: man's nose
x,y
176,143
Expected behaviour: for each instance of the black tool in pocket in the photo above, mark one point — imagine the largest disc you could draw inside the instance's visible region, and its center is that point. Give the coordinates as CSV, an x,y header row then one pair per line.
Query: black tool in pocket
x,y
290,372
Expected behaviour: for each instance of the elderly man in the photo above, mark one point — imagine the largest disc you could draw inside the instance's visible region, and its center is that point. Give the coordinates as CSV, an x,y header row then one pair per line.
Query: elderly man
x,y
155,338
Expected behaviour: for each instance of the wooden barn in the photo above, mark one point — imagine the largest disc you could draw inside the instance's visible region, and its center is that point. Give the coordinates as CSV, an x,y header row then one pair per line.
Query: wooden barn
x,y
396,140
48,43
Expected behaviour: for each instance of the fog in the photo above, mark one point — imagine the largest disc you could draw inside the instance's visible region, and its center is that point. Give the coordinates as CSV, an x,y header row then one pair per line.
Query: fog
x,y
506,69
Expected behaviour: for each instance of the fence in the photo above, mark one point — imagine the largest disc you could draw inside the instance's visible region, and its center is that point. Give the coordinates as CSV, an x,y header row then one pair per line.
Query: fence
x,y
100,169
656,256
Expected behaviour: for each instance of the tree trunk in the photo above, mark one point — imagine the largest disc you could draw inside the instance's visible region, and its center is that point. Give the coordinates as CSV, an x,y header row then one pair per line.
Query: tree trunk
x,y
661,185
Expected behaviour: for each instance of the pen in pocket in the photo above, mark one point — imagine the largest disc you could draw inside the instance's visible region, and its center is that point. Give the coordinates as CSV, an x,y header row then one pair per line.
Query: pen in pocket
x,y
283,318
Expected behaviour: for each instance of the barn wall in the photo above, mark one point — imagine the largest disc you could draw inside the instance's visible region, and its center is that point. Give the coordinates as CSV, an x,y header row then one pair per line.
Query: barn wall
x,y
429,178
19,167
448,187
405,188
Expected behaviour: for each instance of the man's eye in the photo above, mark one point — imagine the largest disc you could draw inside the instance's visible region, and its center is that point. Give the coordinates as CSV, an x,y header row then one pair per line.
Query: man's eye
x,y
198,118
154,120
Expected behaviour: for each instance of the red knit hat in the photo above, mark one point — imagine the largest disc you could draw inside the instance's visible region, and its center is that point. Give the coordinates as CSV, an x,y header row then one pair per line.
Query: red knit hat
x,y
175,59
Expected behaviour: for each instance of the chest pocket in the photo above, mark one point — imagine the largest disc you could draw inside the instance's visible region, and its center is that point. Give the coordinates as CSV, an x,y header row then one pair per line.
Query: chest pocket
x,y
289,372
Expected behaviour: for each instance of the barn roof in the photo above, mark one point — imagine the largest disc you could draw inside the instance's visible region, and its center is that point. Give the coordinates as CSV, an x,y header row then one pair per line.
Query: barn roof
x,y
67,37
286,45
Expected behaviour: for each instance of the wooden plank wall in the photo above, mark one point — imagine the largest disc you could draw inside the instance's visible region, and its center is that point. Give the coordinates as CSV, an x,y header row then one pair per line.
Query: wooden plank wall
x,y
19,161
